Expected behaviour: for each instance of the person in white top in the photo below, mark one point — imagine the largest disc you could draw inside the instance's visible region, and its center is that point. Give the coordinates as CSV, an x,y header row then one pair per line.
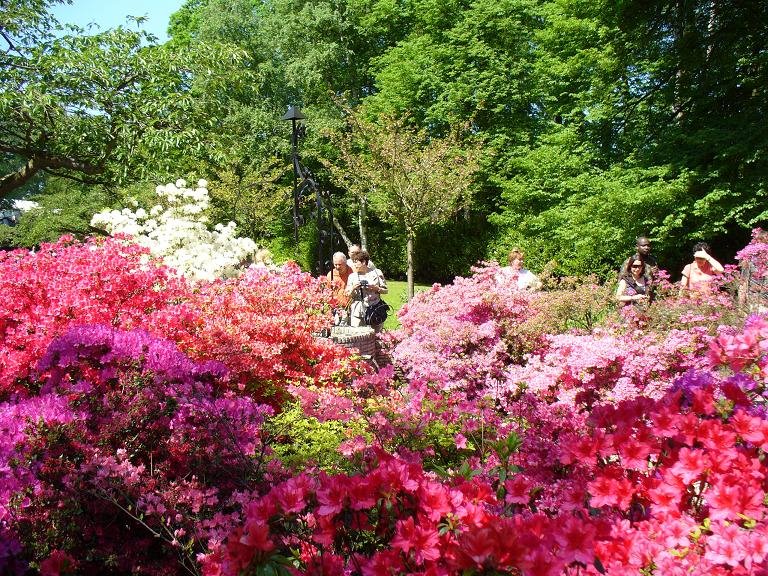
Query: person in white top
x,y
525,279
365,286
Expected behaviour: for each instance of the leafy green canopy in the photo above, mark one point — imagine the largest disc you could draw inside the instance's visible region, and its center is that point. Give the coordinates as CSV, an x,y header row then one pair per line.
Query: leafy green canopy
x,y
602,119
102,108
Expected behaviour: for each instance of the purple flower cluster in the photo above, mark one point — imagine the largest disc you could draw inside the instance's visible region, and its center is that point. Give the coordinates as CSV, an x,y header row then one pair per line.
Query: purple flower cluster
x,y
125,424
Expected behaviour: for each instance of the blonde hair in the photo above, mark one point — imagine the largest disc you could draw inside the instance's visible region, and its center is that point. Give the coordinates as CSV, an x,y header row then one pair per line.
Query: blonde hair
x,y
515,254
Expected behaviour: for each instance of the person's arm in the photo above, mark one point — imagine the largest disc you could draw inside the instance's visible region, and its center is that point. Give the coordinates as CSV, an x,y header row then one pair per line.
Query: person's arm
x,y
352,283
622,296
382,284
717,268
685,281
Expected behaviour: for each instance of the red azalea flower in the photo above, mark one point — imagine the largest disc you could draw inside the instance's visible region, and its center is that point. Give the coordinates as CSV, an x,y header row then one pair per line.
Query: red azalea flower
x,y
479,545
57,564
605,491
422,541
576,540
690,464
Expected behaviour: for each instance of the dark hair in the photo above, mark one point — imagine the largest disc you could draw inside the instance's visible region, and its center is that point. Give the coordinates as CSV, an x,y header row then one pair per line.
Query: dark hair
x,y
361,256
702,246
628,268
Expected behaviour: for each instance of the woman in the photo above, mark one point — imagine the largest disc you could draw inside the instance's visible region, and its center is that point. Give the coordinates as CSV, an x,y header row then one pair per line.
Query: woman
x,y
515,272
698,275
365,286
633,285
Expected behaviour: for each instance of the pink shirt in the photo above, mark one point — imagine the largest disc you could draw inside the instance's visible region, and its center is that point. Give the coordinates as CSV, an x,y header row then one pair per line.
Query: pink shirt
x,y
698,278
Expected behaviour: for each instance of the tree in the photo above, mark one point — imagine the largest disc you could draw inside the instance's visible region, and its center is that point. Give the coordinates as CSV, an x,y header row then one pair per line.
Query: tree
x,y
99,109
298,52
411,180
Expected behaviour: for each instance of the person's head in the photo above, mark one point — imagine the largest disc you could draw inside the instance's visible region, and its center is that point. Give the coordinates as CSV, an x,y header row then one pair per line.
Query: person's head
x,y
643,244
701,247
516,258
360,260
635,266
353,250
339,262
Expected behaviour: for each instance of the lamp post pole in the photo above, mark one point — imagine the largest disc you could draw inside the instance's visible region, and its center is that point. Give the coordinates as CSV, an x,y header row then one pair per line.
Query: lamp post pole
x,y
295,116
304,181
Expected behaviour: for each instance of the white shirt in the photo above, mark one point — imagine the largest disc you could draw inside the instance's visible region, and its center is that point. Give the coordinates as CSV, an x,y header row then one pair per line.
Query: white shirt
x,y
526,280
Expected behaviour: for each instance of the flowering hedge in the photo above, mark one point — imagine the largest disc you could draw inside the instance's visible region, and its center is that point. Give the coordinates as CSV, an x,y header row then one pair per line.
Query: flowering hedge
x,y
259,325
672,482
126,431
145,429
176,230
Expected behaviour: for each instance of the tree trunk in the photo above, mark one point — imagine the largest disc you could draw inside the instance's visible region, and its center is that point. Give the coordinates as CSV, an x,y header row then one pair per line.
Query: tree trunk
x,y
342,232
362,219
409,260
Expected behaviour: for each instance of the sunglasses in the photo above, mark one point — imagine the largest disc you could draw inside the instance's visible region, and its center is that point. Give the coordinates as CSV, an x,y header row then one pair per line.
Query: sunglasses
x,y
637,265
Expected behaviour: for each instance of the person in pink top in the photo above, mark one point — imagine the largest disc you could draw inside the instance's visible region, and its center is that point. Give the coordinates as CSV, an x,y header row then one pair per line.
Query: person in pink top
x,y
698,275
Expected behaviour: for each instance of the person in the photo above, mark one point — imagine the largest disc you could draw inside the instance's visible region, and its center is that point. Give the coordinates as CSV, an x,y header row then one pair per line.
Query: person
x,y
514,271
651,267
642,251
753,284
355,249
338,276
698,275
633,285
365,286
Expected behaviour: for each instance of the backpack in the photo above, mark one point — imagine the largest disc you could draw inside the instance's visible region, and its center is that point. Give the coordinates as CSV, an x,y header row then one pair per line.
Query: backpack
x,y
376,313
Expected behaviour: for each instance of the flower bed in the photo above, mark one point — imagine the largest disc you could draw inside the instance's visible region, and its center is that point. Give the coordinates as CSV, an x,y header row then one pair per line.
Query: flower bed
x,y
151,426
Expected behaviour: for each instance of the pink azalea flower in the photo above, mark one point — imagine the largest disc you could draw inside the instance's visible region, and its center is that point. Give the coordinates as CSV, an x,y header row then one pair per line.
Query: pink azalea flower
x,y
423,542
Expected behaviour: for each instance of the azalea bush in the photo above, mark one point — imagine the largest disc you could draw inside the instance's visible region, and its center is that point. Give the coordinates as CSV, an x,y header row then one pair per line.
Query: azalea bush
x,y
176,229
67,283
129,450
152,426
670,484
259,325
464,335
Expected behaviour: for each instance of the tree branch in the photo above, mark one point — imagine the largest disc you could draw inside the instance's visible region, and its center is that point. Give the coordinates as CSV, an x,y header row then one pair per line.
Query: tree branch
x,y
10,182
342,232
39,162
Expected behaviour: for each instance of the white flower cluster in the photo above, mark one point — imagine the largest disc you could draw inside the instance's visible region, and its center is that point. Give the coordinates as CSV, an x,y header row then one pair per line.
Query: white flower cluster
x,y
176,230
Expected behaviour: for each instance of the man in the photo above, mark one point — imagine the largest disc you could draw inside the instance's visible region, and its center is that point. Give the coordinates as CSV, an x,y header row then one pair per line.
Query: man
x,y
338,277
643,252
354,250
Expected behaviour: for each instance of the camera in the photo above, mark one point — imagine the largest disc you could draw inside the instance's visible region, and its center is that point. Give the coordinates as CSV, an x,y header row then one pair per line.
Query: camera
x,y
363,283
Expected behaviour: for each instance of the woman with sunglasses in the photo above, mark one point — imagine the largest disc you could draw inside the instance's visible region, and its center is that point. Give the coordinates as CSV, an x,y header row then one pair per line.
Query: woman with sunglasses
x,y
633,284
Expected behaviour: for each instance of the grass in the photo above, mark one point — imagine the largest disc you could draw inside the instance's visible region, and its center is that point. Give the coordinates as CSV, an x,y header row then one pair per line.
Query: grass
x,y
397,297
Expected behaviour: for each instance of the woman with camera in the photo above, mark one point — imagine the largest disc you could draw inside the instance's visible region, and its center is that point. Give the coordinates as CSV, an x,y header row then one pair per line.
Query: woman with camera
x,y
364,286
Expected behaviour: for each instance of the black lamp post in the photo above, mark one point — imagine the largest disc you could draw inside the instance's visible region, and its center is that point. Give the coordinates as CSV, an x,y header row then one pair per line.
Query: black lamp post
x,y
297,129
304,182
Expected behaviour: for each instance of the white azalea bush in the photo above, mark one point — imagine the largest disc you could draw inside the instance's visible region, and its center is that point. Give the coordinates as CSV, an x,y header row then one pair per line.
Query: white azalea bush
x,y
176,230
